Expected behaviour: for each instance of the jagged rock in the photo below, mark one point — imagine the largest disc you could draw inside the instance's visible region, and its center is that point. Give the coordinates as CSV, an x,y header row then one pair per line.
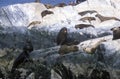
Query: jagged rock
x,y
31,76
55,75
2,53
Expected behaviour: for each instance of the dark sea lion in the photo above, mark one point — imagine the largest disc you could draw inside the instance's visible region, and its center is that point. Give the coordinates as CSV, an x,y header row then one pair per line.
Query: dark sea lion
x,y
79,1
61,5
116,32
28,47
62,36
81,26
46,12
24,56
87,19
87,11
104,18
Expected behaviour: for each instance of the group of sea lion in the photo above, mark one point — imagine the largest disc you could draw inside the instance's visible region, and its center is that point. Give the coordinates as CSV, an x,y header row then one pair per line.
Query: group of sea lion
x,y
66,47
48,12
89,19
63,41
116,35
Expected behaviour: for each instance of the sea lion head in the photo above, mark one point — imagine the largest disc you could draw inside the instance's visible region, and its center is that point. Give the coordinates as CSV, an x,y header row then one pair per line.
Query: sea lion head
x,y
28,46
64,30
116,32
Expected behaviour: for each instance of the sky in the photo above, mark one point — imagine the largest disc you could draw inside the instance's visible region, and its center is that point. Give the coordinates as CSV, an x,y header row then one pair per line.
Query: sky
x,y
9,2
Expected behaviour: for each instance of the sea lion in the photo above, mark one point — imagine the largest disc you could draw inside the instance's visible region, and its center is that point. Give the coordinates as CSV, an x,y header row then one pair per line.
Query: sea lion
x,y
81,26
87,11
48,6
62,36
28,47
61,5
64,49
34,23
46,12
24,56
93,48
64,39
88,19
79,1
103,18
116,32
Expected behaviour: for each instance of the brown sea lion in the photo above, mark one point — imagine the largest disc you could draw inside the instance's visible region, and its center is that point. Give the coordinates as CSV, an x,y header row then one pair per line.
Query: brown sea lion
x,y
104,18
24,56
116,32
62,36
61,5
93,48
48,6
87,11
46,12
88,19
64,39
34,23
81,26
64,49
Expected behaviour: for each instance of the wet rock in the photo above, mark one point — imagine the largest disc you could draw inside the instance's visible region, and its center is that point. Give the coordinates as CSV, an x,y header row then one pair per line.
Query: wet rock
x,y
99,74
2,53
55,75
31,76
